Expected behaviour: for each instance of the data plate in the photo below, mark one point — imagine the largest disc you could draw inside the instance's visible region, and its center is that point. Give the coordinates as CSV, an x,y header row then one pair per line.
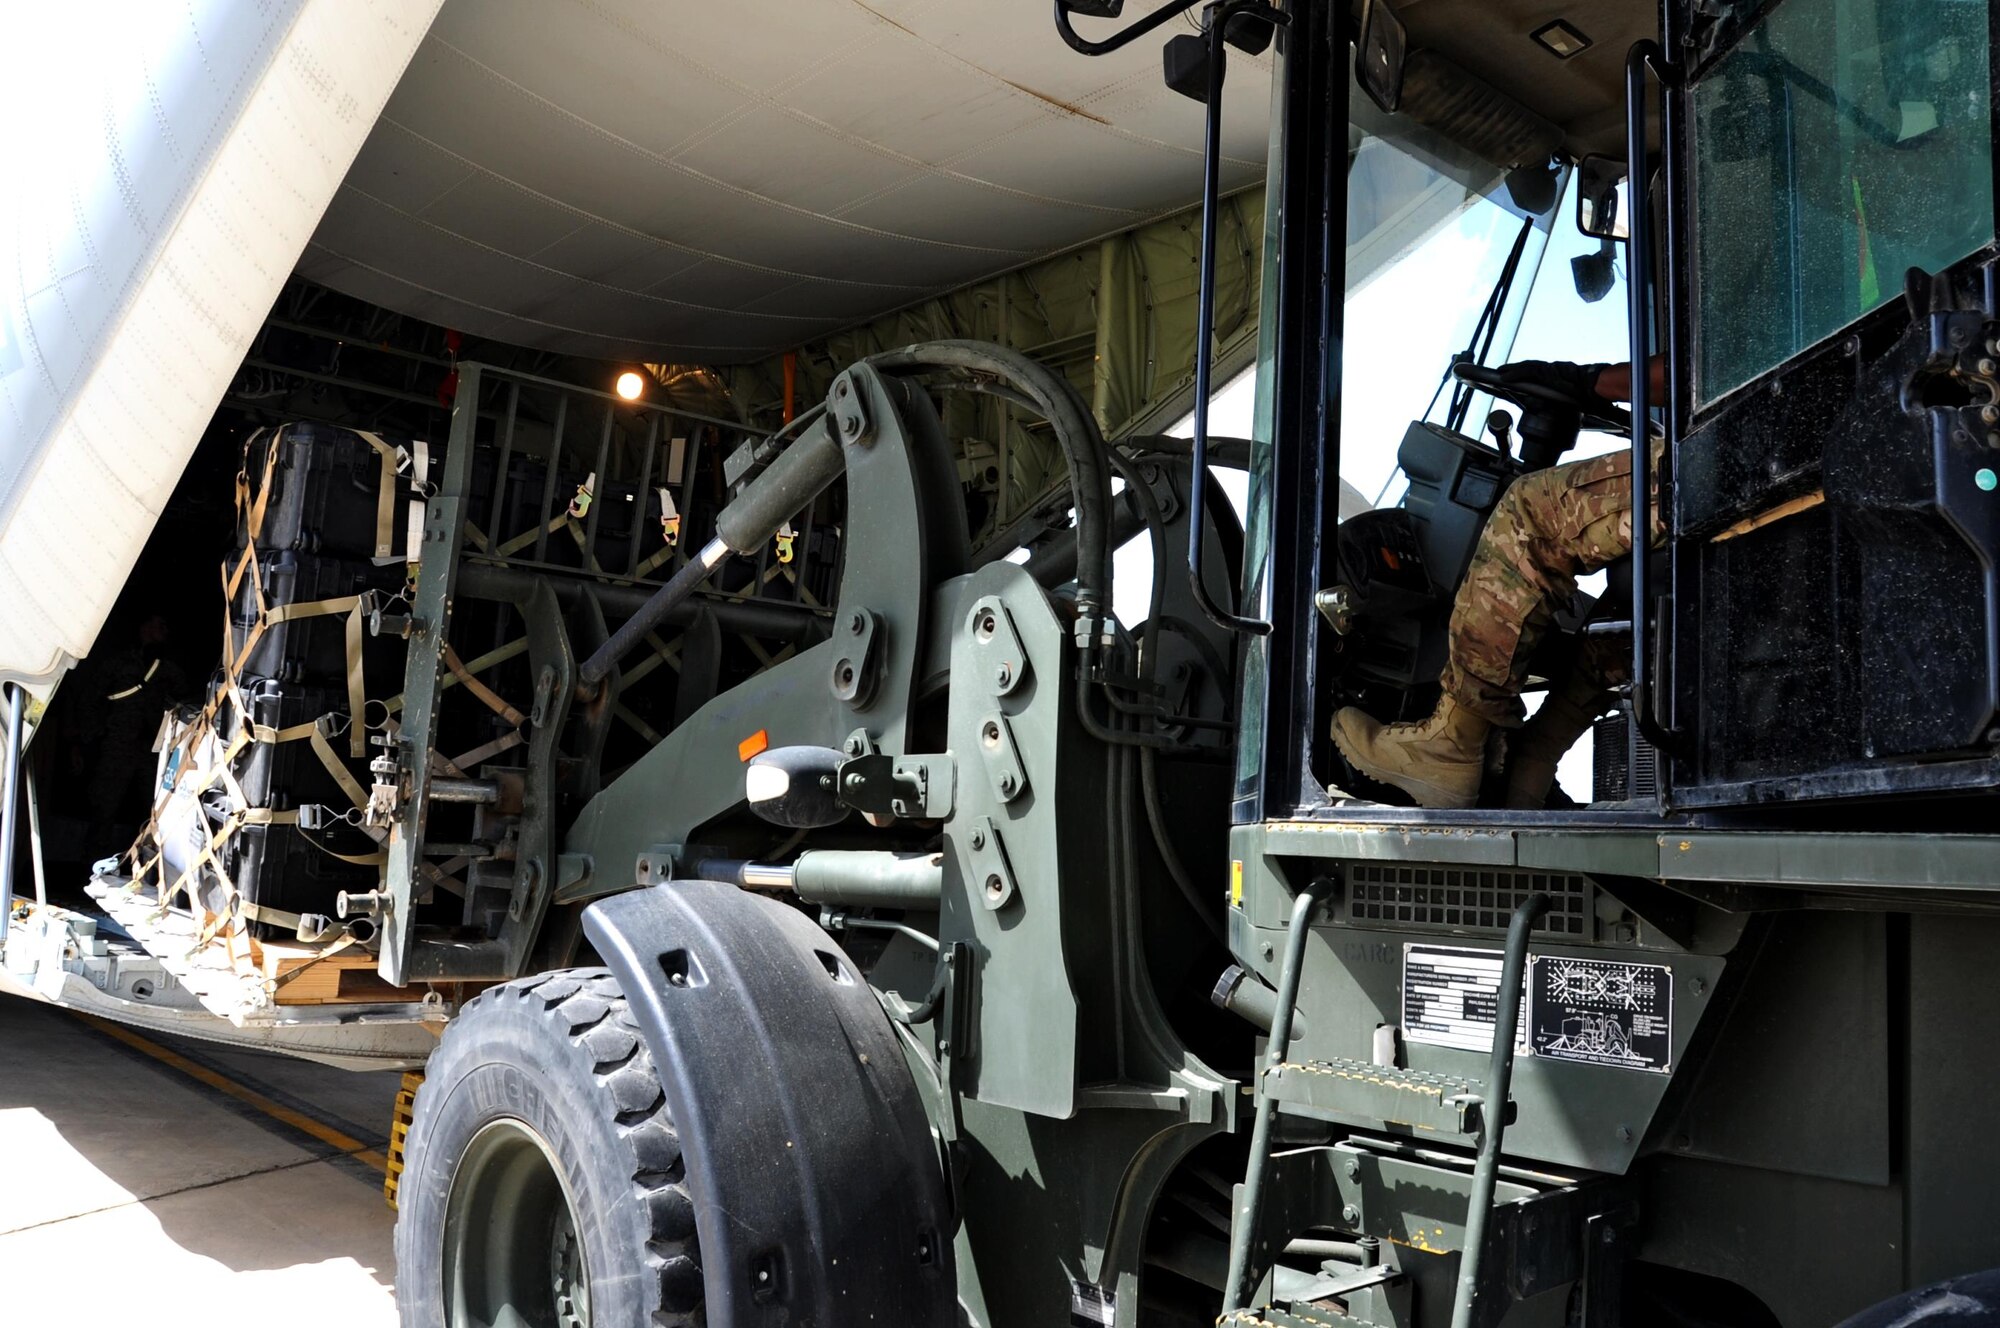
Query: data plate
x,y
1450,997
1601,1012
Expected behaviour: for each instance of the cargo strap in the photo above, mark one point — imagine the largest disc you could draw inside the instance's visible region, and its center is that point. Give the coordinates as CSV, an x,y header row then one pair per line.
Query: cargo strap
x,y
316,732
527,537
354,606
487,696
393,460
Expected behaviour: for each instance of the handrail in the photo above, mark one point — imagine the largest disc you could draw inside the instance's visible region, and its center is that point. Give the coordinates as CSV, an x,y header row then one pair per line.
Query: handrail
x,y
1639,278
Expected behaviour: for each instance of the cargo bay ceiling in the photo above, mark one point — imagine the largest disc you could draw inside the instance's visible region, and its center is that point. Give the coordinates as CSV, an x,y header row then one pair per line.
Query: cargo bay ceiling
x,y
714,182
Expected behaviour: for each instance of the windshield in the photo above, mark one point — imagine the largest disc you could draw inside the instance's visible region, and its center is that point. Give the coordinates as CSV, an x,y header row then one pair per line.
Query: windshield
x,y
1838,145
1430,233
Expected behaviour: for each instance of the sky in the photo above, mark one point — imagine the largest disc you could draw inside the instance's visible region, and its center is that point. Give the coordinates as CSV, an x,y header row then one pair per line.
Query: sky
x,y
1402,329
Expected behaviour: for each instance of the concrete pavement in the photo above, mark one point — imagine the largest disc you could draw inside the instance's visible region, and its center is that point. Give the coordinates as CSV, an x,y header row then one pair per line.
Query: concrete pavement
x,y
168,1182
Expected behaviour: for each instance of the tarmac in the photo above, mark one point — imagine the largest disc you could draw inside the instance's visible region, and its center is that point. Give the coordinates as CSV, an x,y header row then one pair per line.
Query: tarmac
x,y
171,1182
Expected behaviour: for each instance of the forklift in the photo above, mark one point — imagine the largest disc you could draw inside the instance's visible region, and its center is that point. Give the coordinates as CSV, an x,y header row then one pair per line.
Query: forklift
x,y
985,961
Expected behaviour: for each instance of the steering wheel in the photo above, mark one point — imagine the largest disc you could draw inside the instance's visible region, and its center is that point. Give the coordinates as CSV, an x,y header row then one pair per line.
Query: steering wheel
x,y
1536,399
1550,417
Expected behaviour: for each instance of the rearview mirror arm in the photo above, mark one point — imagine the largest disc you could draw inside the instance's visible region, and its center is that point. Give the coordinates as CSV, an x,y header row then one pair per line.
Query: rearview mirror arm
x,y
1124,36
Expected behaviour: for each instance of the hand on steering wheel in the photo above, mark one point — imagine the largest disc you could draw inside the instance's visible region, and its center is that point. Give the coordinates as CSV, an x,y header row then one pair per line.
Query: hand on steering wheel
x,y
1534,385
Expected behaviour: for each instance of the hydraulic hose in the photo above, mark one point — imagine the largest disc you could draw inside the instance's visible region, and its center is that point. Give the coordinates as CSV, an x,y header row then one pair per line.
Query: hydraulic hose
x,y
1076,433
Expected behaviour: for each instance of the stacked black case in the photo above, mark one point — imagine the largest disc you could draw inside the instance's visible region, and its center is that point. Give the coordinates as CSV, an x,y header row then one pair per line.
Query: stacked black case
x,y
318,540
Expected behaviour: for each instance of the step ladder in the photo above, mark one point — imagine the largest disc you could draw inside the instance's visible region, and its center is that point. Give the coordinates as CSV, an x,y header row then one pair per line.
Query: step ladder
x,y
1439,1103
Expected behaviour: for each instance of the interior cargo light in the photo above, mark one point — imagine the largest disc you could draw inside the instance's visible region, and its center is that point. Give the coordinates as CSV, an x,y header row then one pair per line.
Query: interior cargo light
x,y
1560,39
631,386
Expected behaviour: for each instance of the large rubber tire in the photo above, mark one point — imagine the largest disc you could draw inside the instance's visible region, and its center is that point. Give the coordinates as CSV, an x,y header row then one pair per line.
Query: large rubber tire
x,y
541,1081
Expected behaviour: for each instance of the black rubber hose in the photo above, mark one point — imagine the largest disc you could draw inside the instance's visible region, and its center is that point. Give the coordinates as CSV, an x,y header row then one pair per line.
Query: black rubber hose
x,y
1075,430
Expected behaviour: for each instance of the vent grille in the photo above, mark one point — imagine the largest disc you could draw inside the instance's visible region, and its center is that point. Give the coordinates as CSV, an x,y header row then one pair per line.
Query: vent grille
x,y
1626,768
1464,898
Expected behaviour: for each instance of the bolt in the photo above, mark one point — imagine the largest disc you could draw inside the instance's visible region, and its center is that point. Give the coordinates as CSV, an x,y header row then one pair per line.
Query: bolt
x,y
1353,1168
850,425
1624,1134
855,781
677,979
1988,368
1270,951
1990,413
1006,786
1698,986
1350,1214
944,1046
1003,675
840,388
978,840
856,623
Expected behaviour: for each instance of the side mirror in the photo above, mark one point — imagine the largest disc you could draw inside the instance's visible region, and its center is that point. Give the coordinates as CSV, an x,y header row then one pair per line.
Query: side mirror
x,y
1379,52
1601,195
1595,274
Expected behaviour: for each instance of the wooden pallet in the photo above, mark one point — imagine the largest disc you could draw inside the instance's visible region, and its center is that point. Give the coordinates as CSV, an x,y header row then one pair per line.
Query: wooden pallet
x,y
304,976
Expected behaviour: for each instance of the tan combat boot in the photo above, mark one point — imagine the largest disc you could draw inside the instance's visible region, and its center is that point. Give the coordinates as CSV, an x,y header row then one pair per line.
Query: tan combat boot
x,y
1438,761
1535,750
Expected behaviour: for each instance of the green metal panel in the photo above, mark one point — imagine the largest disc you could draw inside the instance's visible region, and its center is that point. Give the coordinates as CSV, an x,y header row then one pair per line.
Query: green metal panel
x,y
444,525
1028,1007
1922,861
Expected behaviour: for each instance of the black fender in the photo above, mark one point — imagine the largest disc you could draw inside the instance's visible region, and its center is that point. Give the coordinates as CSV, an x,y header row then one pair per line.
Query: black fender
x,y
816,1184
1971,1301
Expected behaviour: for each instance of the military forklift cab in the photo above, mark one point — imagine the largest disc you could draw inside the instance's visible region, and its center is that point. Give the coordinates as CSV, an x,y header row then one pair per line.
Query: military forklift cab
x,y
1810,248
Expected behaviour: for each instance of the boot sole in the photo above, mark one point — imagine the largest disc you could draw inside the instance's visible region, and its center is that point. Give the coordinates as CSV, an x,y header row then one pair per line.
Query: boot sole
x,y
1432,796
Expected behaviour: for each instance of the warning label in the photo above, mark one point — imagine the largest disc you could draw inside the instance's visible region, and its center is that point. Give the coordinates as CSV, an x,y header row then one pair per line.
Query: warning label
x,y
1601,1012
1091,1306
1451,997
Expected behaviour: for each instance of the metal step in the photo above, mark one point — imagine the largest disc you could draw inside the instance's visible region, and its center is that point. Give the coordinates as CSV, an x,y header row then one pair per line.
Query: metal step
x,y
1318,1314
1432,1103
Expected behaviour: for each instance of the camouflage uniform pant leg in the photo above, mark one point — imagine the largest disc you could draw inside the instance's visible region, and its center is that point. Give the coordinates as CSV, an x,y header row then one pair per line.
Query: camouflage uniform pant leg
x,y
1549,528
